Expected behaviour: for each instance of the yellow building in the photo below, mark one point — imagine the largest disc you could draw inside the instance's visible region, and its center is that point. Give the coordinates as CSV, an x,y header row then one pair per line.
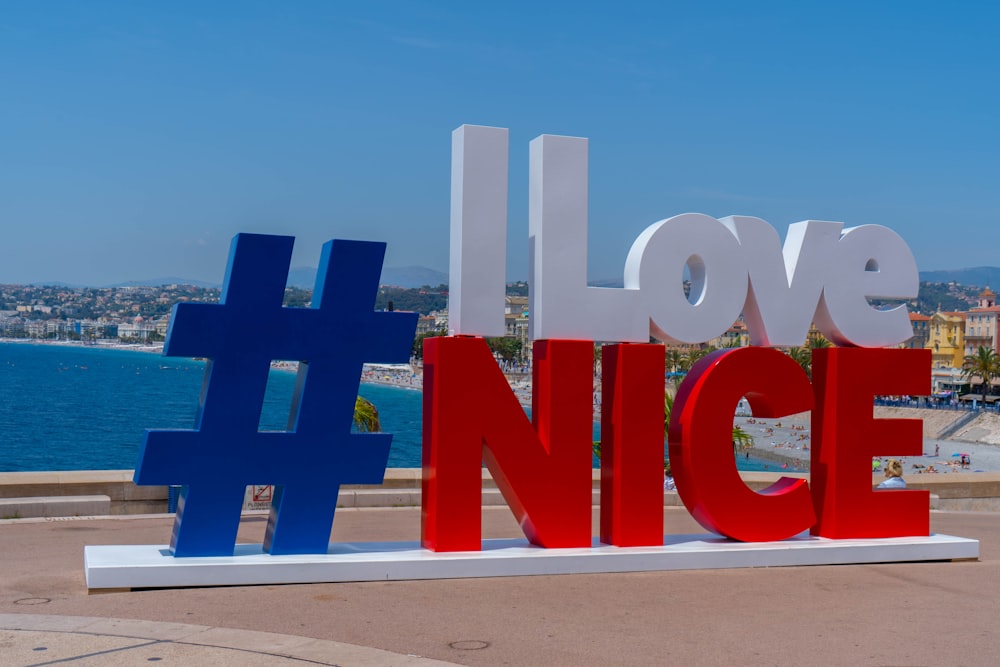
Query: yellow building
x,y
946,339
736,336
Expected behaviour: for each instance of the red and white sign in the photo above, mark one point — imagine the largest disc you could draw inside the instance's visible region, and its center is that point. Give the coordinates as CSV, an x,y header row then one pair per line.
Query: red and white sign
x,y
823,273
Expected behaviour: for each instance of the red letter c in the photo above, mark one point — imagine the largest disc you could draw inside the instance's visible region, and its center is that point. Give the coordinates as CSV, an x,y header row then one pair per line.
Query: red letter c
x,y
701,450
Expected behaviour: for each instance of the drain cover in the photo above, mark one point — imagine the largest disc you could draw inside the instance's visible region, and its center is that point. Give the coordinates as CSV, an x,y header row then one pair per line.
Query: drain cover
x,y
469,645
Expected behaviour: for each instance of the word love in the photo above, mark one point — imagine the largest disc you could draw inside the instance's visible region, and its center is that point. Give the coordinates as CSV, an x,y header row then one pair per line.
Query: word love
x,y
544,473
823,273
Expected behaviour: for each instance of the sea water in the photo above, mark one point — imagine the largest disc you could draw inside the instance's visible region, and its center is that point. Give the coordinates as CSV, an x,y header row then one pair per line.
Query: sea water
x,y
65,407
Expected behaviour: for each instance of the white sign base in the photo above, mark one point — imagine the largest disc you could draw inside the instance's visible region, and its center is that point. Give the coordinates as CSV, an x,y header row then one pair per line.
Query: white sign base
x,y
150,566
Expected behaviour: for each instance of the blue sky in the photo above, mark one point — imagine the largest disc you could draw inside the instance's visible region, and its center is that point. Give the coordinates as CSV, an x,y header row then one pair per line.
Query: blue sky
x,y
136,138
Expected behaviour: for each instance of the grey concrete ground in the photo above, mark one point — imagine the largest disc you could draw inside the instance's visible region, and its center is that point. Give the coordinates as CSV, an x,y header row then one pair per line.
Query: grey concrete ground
x,y
890,614
35,639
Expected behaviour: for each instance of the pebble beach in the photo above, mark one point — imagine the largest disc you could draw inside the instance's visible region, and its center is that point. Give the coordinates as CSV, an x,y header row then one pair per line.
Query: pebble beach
x,y
788,440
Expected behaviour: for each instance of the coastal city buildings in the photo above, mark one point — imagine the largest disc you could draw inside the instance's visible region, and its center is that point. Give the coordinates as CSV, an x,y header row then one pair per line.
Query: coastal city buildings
x,y
921,326
141,314
127,314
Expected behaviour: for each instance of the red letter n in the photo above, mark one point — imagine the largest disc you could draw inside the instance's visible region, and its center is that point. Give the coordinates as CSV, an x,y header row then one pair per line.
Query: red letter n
x,y
471,415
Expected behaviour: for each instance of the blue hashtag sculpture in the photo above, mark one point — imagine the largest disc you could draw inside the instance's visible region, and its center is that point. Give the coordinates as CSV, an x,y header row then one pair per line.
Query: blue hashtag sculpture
x,y
240,336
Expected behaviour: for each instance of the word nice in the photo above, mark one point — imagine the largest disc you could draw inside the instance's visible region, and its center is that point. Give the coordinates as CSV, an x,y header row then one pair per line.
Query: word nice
x,y
544,470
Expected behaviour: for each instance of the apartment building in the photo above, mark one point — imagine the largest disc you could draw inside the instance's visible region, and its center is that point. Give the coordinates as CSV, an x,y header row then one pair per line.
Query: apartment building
x,y
981,323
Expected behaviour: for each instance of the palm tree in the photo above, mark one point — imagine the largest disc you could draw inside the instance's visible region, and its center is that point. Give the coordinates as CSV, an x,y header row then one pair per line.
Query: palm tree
x,y
366,416
985,364
674,360
803,357
819,343
668,407
741,439
693,356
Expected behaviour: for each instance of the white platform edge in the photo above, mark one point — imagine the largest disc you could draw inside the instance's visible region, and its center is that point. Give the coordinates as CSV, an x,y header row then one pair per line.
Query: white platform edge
x,y
151,566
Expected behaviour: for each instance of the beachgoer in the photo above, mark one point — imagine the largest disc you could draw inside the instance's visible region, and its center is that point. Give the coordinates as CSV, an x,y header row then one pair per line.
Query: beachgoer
x,y
937,449
668,478
893,476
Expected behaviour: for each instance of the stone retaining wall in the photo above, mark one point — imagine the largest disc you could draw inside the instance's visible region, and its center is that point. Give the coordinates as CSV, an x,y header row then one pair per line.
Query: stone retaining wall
x,y
125,497
953,491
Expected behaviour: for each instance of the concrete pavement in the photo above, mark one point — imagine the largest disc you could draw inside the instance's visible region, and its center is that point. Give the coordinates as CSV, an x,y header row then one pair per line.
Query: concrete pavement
x,y
35,639
914,614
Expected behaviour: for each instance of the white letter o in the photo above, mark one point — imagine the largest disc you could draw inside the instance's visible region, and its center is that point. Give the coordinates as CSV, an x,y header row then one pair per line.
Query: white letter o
x,y
655,266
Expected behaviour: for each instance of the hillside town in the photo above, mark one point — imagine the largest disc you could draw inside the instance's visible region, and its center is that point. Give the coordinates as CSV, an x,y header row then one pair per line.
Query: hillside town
x,y
125,314
953,335
951,320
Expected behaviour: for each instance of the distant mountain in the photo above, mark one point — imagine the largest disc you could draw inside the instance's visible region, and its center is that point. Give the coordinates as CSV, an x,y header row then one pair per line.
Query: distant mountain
x,y
413,276
980,276
418,276
406,276
170,280
302,277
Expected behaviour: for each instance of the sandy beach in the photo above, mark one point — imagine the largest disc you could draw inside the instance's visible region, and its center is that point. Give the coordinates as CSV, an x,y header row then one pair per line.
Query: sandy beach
x,y
787,440
101,344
